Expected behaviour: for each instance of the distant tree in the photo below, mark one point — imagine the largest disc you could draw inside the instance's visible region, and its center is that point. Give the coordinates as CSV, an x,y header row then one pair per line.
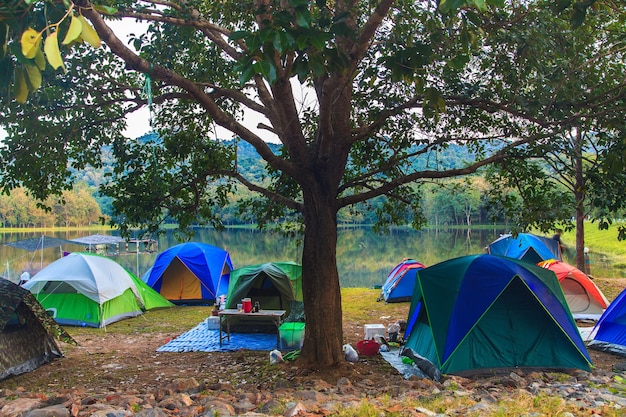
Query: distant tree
x,y
77,207
580,179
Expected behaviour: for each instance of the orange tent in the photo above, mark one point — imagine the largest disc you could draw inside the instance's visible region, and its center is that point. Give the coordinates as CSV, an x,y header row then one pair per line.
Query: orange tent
x,y
583,296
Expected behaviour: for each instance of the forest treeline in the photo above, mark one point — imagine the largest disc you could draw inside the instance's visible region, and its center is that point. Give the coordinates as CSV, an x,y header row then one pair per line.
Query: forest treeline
x,y
451,202
75,208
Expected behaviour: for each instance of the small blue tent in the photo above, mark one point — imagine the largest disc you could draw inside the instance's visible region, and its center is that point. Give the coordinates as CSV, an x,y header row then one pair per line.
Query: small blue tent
x,y
527,247
400,282
486,313
610,330
191,272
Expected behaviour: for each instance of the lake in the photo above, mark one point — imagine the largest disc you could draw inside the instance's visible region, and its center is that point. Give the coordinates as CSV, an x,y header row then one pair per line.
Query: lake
x,y
364,258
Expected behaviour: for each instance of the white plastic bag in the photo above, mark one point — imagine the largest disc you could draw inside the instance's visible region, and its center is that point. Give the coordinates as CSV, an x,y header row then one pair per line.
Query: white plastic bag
x,y
394,328
275,357
350,354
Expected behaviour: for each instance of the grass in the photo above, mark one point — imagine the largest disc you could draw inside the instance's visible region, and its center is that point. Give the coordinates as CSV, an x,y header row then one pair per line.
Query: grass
x,y
159,320
600,241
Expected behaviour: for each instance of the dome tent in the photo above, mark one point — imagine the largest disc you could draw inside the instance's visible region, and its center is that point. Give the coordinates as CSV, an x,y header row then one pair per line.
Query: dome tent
x,y
191,272
486,313
84,289
275,285
583,296
527,247
27,332
610,330
400,282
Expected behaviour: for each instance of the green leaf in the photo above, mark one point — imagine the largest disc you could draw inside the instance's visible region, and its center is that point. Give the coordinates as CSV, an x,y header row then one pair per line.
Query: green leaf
x,y
247,73
238,35
6,75
40,60
317,67
266,69
21,87
266,34
283,42
303,18
318,42
480,5
459,61
33,77
561,5
578,18
105,9
301,68
74,31
4,39
450,6
254,42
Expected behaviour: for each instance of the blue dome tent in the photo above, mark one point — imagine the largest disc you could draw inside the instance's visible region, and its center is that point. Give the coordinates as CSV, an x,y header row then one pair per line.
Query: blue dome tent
x,y
610,330
400,282
191,272
527,247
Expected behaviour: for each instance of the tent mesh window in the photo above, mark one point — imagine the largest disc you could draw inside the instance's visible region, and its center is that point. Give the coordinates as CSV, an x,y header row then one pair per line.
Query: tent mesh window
x,y
265,292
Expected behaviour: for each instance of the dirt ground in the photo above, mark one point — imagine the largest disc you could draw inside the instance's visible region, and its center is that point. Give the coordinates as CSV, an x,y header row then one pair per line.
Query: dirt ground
x,y
130,362
113,362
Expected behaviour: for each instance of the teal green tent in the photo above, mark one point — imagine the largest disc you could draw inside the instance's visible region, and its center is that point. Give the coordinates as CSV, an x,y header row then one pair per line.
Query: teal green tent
x,y
484,313
84,289
275,285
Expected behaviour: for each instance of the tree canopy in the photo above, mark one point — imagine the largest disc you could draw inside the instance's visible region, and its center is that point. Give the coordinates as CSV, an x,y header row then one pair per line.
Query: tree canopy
x,y
362,95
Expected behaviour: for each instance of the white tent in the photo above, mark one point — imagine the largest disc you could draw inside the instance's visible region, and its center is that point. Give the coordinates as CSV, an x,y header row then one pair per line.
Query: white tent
x,y
89,290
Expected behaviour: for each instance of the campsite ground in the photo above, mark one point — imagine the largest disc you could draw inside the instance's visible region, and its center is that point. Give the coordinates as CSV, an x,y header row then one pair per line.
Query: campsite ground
x,y
124,358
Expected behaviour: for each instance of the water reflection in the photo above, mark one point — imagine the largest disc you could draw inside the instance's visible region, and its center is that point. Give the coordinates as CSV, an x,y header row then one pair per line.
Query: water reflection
x,y
364,258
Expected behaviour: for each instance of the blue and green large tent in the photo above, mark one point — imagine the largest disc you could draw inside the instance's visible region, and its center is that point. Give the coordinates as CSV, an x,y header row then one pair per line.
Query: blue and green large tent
x,y
487,313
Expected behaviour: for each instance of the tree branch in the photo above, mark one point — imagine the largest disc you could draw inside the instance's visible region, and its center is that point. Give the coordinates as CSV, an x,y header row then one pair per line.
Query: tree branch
x,y
134,62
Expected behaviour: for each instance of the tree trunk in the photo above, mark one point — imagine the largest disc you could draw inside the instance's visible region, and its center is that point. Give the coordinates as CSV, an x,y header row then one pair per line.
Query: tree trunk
x,y
579,198
580,238
320,283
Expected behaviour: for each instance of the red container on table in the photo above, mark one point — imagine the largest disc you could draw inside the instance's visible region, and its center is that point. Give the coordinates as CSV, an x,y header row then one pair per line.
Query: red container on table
x,y
246,305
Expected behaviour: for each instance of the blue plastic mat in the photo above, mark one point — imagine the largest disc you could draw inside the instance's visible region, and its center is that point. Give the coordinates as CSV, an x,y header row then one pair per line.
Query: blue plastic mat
x,y
405,369
203,339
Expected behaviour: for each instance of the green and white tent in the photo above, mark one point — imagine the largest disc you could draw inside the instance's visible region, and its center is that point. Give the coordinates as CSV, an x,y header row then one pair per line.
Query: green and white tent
x,y
84,289
486,313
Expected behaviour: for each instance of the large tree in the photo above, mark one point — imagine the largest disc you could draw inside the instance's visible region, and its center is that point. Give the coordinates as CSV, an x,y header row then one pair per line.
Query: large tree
x,y
358,93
